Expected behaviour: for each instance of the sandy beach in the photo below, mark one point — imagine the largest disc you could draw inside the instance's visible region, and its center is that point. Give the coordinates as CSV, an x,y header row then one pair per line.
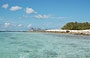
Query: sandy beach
x,y
76,32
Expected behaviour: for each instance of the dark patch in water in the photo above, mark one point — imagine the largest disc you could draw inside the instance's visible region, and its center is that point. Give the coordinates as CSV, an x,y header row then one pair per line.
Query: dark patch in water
x,y
14,43
13,38
2,39
73,45
50,54
27,51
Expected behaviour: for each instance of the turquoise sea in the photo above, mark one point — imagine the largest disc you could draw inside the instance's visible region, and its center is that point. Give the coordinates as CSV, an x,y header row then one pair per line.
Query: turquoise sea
x,y
43,45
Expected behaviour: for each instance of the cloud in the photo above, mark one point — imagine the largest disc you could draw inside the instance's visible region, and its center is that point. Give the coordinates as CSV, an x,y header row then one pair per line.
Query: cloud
x,y
42,16
6,25
30,11
29,25
57,17
39,16
15,8
19,25
5,6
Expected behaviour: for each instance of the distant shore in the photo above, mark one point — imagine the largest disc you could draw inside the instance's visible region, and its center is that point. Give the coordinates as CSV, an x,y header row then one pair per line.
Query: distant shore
x,y
13,31
75,32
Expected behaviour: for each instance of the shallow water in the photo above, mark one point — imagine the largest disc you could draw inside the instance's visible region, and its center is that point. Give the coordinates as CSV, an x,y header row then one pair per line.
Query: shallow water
x,y
43,45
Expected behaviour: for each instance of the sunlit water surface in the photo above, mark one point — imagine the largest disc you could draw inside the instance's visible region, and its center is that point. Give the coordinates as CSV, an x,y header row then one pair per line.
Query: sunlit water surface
x,y
43,45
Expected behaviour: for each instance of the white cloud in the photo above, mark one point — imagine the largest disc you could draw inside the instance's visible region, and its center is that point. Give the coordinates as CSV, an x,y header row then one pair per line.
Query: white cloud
x,y
15,8
58,17
30,11
6,25
29,25
5,6
42,16
19,25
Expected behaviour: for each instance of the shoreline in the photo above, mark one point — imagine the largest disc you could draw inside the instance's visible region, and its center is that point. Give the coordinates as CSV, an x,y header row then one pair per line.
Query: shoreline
x,y
57,31
74,32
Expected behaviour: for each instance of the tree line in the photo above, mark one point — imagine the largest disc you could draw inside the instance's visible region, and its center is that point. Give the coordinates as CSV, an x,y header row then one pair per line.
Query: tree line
x,y
76,26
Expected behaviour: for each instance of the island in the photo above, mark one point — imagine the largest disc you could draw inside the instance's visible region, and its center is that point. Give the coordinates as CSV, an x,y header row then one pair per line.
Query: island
x,y
73,28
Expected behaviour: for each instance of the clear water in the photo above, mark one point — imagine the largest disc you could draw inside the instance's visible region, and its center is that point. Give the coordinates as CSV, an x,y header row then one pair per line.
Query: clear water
x,y
43,45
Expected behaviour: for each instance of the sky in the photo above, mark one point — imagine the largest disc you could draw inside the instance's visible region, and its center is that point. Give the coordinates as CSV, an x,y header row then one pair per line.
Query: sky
x,y
44,14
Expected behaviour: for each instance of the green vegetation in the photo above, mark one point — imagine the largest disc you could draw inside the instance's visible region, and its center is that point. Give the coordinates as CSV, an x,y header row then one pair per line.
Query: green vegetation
x,y
76,26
